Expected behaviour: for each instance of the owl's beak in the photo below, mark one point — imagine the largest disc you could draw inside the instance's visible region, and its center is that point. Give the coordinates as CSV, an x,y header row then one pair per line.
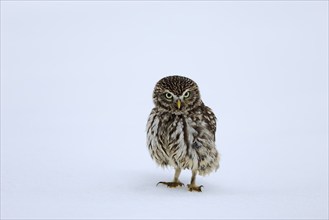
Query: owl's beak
x,y
179,104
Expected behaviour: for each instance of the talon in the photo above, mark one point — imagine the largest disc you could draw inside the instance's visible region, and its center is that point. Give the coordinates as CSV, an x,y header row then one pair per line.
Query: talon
x,y
161,183
171,184
192,188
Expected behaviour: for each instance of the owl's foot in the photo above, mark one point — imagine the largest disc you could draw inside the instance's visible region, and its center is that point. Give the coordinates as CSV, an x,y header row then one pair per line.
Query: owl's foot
x,y
171,184
195,188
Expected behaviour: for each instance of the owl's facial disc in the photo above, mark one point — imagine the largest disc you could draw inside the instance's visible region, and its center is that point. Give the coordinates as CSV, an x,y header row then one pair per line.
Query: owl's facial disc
x,y
173,100
176,94
179,102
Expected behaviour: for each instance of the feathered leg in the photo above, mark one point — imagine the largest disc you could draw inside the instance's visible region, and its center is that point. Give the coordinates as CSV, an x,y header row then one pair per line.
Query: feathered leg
x,y
175,182
193,186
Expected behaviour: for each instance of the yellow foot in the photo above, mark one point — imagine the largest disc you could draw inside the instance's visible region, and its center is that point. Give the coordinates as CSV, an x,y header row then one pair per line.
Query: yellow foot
x,y
195,188
171,184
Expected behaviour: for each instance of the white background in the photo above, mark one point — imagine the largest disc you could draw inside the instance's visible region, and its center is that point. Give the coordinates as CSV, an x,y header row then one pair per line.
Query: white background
x,y
76,88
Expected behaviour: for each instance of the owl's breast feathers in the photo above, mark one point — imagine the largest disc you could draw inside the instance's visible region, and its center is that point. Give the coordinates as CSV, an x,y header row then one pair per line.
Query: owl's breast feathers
x,y
186,141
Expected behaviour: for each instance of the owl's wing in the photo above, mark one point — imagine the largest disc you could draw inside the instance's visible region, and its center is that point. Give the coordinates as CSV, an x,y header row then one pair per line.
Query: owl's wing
x,y
210,118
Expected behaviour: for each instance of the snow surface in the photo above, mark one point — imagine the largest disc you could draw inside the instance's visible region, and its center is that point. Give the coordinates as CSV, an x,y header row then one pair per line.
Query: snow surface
x,y
76,85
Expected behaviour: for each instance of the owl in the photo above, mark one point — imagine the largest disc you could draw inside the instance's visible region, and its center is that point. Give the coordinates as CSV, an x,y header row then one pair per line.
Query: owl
x,y
181,130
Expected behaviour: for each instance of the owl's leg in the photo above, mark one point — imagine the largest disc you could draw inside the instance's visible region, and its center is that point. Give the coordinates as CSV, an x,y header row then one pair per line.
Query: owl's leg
x,y
175,182
193,187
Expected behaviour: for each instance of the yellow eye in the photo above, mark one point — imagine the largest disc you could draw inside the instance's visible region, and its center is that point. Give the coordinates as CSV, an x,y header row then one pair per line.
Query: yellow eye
x,y
187,94
168,95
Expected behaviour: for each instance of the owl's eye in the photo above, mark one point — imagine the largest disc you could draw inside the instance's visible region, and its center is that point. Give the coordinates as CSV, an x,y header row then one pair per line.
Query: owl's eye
x,y
186,95
168,95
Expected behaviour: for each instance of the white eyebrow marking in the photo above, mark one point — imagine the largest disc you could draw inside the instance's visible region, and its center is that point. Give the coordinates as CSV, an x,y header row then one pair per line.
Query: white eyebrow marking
x,y
182,96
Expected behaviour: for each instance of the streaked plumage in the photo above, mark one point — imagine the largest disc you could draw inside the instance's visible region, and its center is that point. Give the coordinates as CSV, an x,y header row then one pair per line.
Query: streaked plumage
x,y
181,130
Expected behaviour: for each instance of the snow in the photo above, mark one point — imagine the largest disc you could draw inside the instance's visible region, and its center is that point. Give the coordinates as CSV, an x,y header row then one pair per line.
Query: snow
x,y
76,85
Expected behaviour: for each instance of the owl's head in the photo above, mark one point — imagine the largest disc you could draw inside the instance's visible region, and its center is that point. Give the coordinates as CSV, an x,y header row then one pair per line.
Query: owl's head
x,y
176,94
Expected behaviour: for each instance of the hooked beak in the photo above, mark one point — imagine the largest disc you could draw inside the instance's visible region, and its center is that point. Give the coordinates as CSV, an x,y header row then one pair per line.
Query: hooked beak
x,y
179,104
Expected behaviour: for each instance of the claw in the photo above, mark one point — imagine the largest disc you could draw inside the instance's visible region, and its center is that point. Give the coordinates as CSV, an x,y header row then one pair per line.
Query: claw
x,y
161,183
171,184
192,188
